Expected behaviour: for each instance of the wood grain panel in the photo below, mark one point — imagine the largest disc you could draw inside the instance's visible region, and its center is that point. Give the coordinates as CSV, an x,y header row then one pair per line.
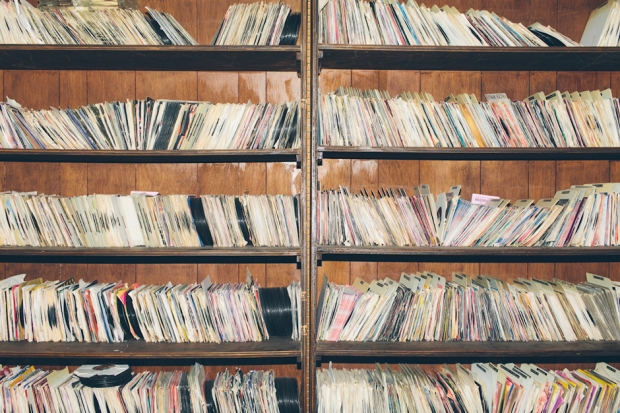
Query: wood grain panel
x,y
73,179
162,274
365,79
33,271
209,15
75,271
111,273
2,97
167,85
283,87
167,179
252,87
543,11
543,82
581,81
218,87
396,82
508,180
19,177
111,178
36,89
615,83
73,90
573,16
442,84
330,80
464,5
516,85
110,86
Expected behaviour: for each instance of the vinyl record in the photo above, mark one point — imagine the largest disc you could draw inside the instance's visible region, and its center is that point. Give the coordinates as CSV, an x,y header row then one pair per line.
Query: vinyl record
x,y
198,215
287,395
290,31
241,220
132,317
277,312
209,396
157,28
124,322
548,40
104,375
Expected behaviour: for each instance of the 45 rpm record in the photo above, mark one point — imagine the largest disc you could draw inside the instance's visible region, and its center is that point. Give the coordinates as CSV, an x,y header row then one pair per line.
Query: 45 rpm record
x,y
104,375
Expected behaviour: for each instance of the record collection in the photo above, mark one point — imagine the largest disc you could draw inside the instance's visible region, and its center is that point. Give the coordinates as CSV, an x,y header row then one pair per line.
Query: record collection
x,y
152,125
24,24
603,27
258,24
390,22
31,390
371,118
581,216
146,219
482,388
89,4
427,307
68,311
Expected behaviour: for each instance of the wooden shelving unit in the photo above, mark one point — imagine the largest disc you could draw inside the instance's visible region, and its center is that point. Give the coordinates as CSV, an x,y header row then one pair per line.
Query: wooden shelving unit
x,y
160,58
180,156
470,154
468,352
468,254
469,58
275,350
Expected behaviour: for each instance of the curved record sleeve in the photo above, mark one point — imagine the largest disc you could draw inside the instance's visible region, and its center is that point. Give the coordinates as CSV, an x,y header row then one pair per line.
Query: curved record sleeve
x,y
241,220
198,214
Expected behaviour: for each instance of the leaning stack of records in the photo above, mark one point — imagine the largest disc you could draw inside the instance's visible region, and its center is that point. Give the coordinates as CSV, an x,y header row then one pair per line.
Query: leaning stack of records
x,y
258,24
370,118
24,24
390,22
582,216
426,307
38,390
67,311
145,219
152,125
603,27
481,388
89,4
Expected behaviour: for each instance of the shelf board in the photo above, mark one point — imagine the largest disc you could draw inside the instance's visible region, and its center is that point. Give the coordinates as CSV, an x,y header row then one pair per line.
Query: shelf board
x,y
276,350
177,58
467,352
149,255
176,156
470,154
468,254
470,58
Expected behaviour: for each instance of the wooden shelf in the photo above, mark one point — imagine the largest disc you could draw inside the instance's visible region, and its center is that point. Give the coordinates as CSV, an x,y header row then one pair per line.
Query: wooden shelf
x,y
171,58
468,254
274,351
176,156
468,352
149,255
470,58
470,154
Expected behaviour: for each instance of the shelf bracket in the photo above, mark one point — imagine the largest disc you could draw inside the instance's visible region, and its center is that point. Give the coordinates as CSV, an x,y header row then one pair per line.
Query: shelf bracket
x,y
319,158
319,259
298,63
319,61
299,262
319,361
298,161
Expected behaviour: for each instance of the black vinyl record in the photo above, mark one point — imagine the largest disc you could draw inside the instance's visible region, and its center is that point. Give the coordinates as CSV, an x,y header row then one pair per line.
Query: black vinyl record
x,y
277,313
209,396
548,40
287,395
132,317
202,227
290,31
241,220
122,316
157,28
104,375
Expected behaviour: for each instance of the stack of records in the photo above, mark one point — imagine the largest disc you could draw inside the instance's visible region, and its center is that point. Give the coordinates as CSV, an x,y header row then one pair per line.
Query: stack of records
x,y
146,219
103,375
89,4
482,388
390,22
581,216
371,118
68,311
426,307
152,125
258,24
24,24
603,27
